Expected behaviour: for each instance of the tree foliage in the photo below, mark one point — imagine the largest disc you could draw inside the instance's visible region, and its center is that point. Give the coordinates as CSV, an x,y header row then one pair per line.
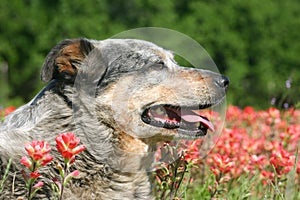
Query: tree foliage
x,y
255,42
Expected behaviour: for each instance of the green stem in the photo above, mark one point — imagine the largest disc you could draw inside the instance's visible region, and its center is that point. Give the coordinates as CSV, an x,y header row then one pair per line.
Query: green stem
x,y
218,182
31,180
174,177
29,190
181,179
63,178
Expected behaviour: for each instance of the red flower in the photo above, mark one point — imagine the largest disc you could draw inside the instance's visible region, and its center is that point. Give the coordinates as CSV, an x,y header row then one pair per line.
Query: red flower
x,y
46,159
75,173
9,110
38,152
37,149
39,184
192,154
66,145
221,163
26,161
34,174
266,176
258,159
298,167
282,160
71,175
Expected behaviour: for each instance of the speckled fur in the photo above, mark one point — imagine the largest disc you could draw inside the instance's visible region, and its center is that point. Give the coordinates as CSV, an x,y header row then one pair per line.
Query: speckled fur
x,y
98,89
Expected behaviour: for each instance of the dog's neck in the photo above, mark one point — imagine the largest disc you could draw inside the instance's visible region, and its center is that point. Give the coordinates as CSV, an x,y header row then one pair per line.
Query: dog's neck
x,y
121,161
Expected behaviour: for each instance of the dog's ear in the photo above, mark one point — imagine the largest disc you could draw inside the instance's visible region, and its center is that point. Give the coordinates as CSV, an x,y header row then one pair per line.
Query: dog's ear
x,y
63,60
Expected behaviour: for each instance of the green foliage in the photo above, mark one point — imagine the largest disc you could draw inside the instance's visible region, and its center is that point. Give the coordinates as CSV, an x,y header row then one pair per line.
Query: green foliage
x,y
172,179
243,191
255,43
3,177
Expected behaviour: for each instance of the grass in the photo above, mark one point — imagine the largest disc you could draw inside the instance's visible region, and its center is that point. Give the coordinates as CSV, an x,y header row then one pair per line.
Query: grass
x,y
5,175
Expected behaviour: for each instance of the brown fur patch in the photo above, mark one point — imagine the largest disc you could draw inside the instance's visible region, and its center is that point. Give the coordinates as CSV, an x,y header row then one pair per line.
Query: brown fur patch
x,y
192,75
131,144
68,55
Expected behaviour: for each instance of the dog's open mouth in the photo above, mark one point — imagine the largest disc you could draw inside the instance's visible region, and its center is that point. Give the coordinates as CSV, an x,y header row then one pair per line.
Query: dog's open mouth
x,y
186,119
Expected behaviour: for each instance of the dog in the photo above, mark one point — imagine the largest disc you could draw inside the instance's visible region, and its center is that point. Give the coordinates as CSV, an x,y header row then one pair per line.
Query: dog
x,y
120,97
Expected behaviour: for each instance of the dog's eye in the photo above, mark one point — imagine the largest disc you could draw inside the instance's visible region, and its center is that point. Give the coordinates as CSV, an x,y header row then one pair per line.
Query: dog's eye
x,y
158,66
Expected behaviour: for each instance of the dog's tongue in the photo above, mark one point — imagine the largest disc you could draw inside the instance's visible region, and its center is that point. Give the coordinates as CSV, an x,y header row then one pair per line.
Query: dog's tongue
x,y
193,116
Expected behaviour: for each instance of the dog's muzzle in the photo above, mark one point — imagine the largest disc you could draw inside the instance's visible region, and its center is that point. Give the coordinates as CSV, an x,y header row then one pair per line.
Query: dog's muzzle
x,y
189,121
186,119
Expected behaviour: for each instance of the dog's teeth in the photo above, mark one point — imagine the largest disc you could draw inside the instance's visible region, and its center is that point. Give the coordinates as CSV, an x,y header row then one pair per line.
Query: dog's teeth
x,y
160,111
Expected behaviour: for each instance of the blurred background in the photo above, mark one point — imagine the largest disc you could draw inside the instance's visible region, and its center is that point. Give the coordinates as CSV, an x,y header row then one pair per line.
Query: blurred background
x,y
255,43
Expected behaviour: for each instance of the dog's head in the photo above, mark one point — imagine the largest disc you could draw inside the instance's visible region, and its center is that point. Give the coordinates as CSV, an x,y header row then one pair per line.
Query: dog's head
x,y
138,88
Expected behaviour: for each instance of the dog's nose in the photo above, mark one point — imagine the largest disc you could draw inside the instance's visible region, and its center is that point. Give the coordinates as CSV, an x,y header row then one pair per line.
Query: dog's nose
x,y
223,82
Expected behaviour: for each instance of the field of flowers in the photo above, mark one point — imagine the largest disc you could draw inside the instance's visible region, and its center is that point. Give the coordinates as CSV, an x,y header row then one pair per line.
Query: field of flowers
x,y
255,157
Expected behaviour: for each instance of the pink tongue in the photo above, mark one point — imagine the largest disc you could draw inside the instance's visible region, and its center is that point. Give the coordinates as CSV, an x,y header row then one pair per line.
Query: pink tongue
x,y
195,117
